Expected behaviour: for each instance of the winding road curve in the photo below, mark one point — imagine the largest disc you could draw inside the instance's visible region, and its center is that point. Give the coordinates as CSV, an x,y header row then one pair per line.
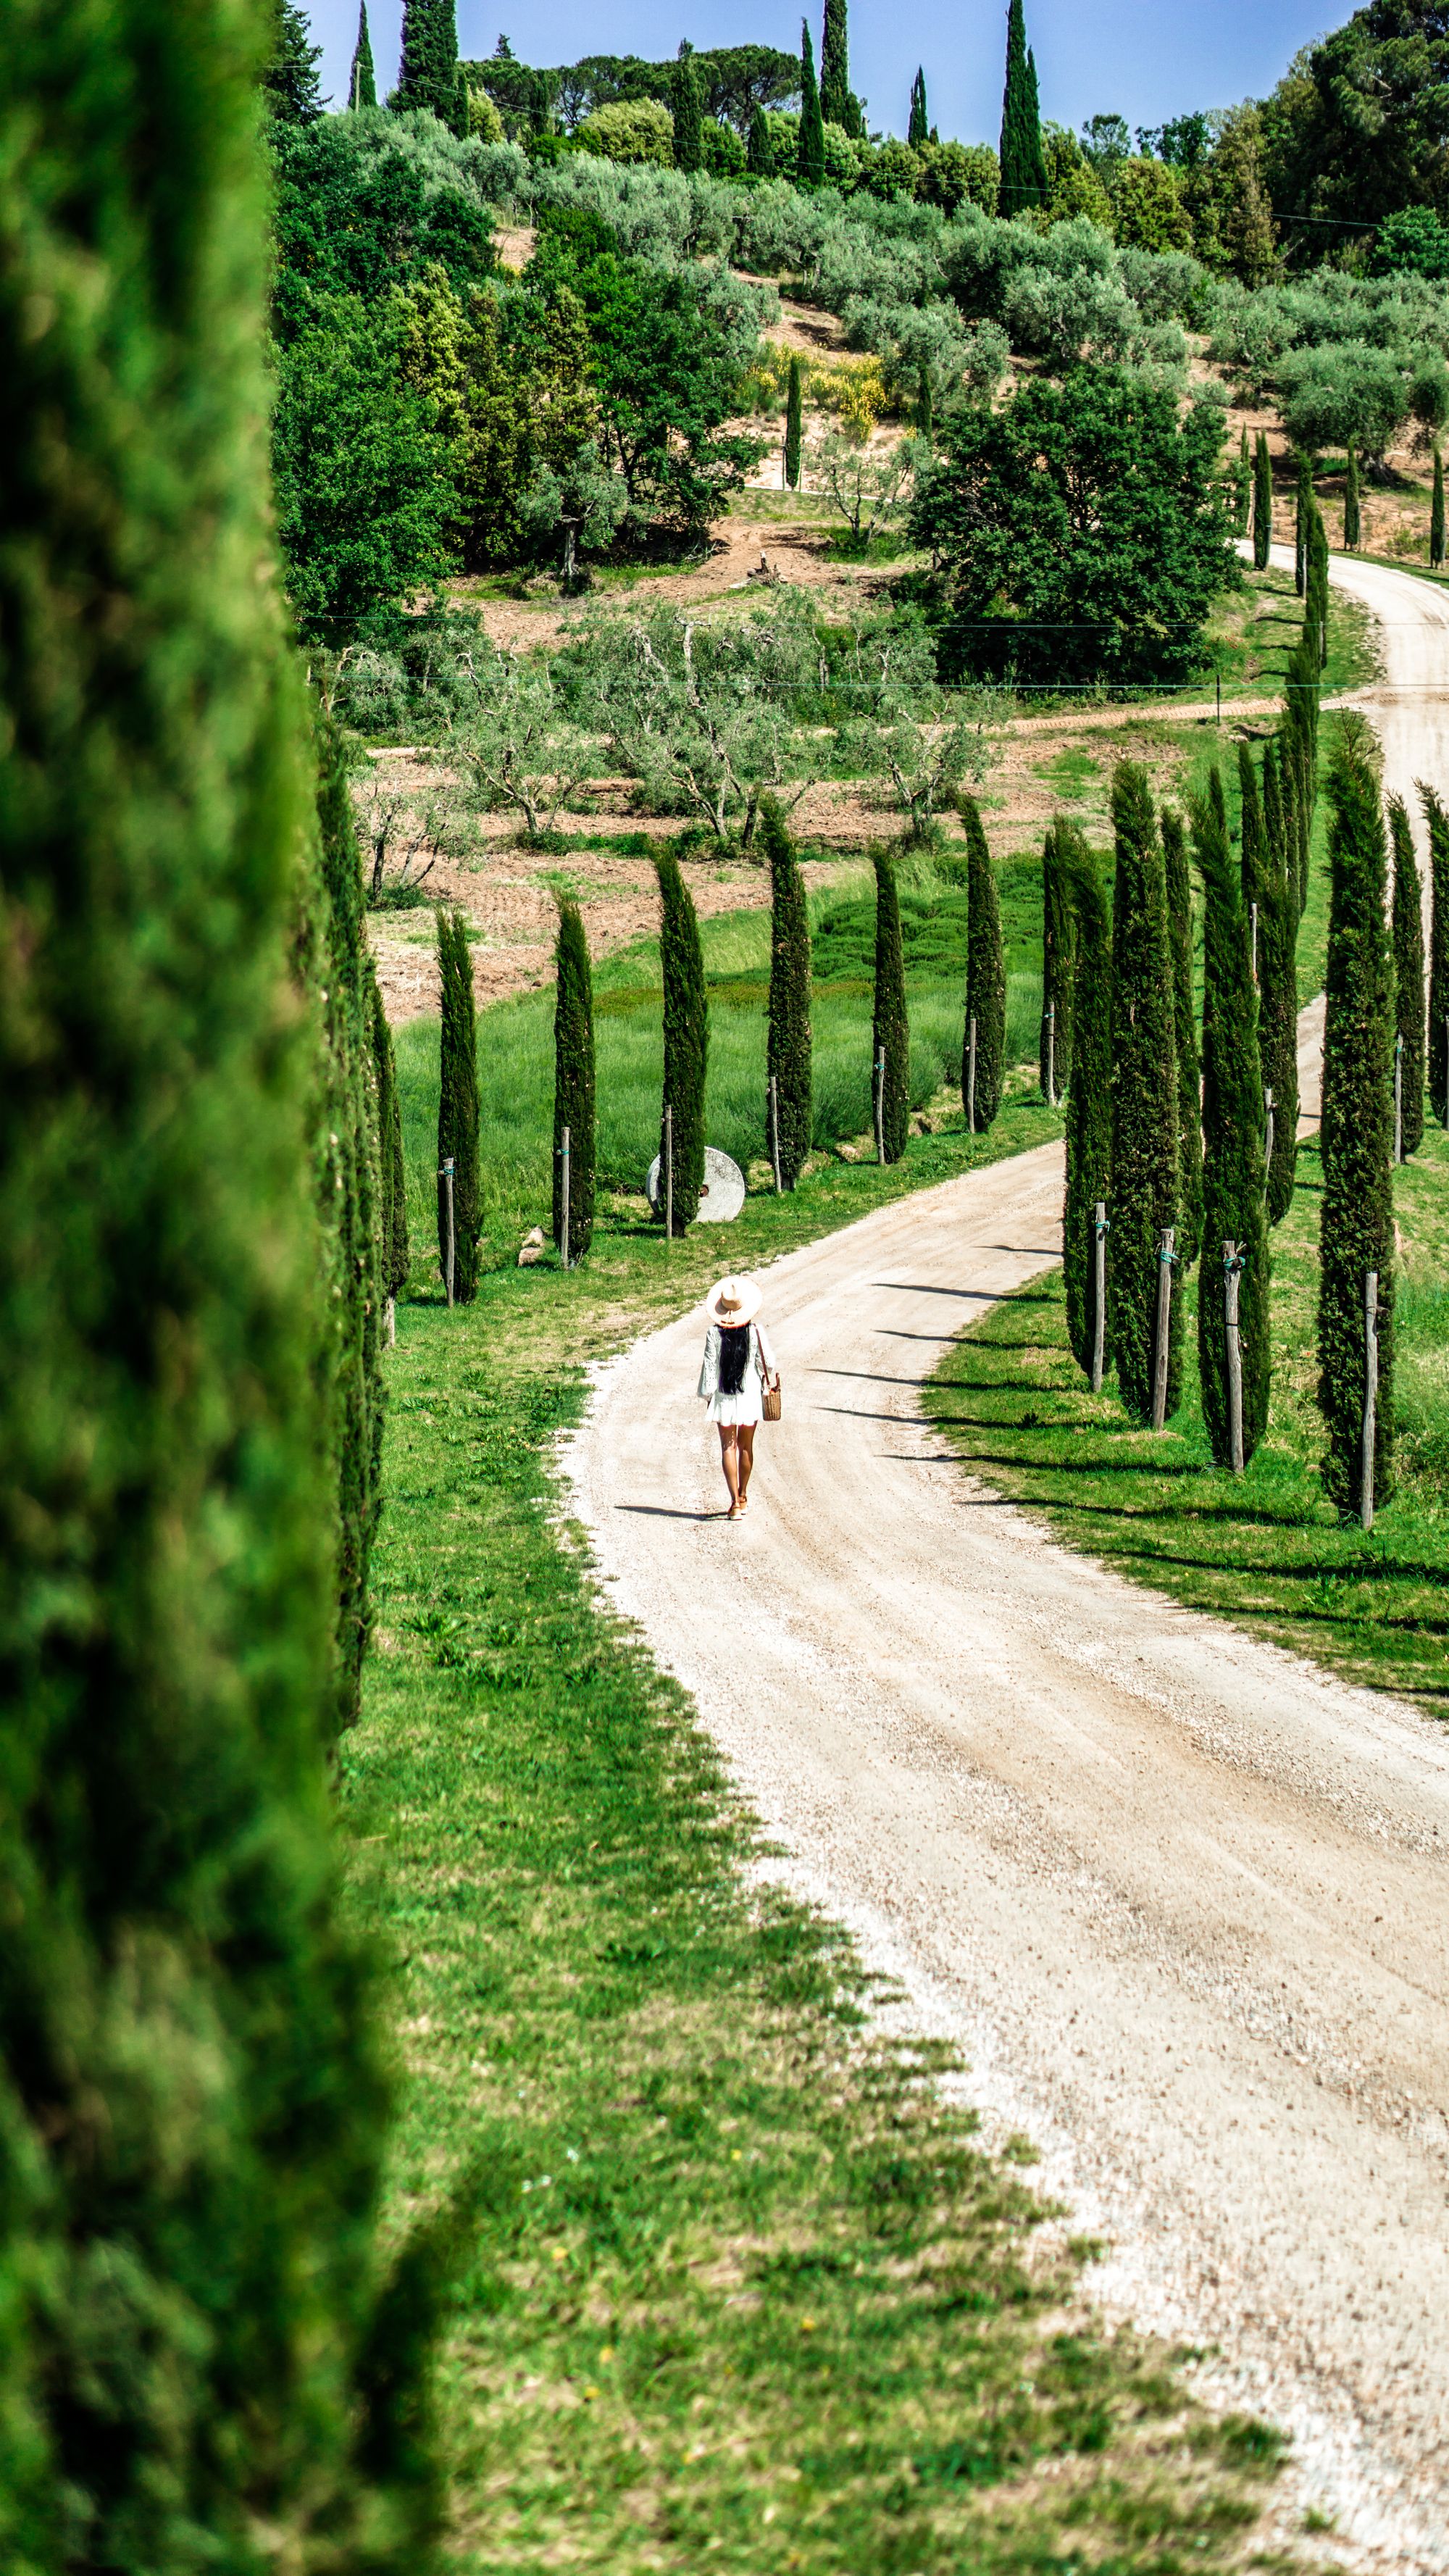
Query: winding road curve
x,y
1182,1899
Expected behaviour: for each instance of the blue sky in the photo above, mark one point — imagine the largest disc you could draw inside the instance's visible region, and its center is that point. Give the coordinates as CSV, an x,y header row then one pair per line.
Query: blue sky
x,y
1143,60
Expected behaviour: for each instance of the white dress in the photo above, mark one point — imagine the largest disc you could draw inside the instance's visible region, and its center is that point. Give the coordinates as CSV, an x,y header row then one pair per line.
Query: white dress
x,y
748,1405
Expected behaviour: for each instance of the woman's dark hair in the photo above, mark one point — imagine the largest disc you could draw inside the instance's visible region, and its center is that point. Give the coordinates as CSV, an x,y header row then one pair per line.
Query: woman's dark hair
x,y
734,1352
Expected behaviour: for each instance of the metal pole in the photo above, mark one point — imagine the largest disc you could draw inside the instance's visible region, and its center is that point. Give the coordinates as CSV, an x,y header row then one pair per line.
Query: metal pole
x,y
1099,1297
1399,1097
880,1105
564,1230
1164,1327
775,1132
1051,1065
1370,1396
1255,945
971,1081
450,1261
668,1173
1268,1143
1232,1274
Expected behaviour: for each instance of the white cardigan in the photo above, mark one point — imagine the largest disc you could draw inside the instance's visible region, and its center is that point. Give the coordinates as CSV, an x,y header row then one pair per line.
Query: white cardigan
x,y
760,1358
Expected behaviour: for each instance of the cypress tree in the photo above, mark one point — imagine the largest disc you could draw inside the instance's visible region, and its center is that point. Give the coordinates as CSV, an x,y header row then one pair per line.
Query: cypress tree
x,y
1058,942
1408,974
1316,619
1436,514
428,74
794,425
201,2358
1089,1103
890,1029
1023,168
1254,840
1278,1022
686,1039
1437,1050
1243,487
1145,1178
688,122
362,80
1189,1085
919,124
396,1250
810,150
836,103
1352,509
1302,519
787,1014
985,970
758,154
458,1105
1262,503
1275,826
573,1081
1357,1133
1232,1121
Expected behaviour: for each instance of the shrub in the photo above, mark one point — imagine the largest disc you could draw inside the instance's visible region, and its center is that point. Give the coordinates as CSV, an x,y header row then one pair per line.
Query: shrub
x,y
630,129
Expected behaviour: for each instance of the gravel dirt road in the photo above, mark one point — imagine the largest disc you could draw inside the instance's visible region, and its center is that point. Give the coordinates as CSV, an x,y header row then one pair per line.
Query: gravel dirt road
x,y
1180,1898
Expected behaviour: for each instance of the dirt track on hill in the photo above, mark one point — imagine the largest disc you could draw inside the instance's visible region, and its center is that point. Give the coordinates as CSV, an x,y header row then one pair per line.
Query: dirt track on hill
x,y
1182,1899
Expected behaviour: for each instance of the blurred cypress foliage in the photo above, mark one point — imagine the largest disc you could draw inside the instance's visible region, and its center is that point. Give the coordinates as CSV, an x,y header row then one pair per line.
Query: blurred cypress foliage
x,y
1058,939
1189,1084
787,1023
573,1086
458,1105
1089,1103
1357,1132
1232,1119
985,968
1438,1046
395,1249
1408,973
890,1029
1145,1181
686,1039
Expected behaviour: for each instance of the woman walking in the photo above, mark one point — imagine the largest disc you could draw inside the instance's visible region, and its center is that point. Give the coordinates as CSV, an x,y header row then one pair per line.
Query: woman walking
x,y
738,1365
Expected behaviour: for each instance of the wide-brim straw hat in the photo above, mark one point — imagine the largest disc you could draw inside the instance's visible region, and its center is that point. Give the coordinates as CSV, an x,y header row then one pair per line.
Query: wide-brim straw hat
x,y
733,1301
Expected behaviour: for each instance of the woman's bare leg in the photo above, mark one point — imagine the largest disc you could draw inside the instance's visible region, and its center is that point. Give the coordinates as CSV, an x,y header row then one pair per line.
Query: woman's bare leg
x,y
729,1460
746,1458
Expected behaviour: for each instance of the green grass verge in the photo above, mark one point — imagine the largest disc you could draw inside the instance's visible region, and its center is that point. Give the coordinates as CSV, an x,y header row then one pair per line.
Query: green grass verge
x,y
730,2285
1263,1550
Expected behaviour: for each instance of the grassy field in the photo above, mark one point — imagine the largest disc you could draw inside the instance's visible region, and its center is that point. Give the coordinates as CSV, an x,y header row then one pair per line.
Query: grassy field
x,y
1263,1550
728,2284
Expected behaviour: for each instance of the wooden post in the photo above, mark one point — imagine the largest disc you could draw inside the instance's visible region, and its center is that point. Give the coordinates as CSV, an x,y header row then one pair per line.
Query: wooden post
x,y
1370,1396
450,1257
1232,1273
1051,1067
1255,946
668,1173
971,1079
1099,1296
1399,1097
1164,1327
563,1248
1268,1141
880,1105
775,1132
389,1323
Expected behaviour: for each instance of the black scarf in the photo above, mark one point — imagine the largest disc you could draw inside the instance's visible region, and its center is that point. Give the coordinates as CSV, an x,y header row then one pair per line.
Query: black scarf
x,y
734,1354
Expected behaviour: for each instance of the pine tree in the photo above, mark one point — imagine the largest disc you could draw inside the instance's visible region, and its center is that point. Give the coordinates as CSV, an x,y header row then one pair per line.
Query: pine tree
x,y
810,151
787,1012
362,80
1352,510
1302,520
396,1250
201,2366
686,1039
1437,1050
890,1030
1436,514
1357,1133
1262,503
290,84
1408,974
1145,1178
919,124
573,1081
688,122
1232,1122
1023,168
1189,1086
458,1105
428,75
758,153
836,102
985,970
1089,1103
1243,487
1058,947
1278,1017
794,425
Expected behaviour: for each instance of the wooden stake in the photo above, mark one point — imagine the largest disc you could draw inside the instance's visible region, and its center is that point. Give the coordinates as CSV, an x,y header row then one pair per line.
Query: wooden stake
x,y
971,1081
564,1229
880,1105
775,1132
1399,1097
1164,1327
1051,1068
668,1173
450,1257
1370,1396
1232,1274
1099,1296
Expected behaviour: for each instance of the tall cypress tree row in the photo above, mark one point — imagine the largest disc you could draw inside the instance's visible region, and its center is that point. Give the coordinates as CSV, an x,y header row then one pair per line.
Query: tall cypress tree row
x,y
362,79
688,122
573,1081
794,425
890,1028
1278,1023
1357,1133
1302,520
428,74
686,1038
1058,949
1408,974
919,124
1436,514
1023,168
201,2361
1089,1103
396,1250
1437,1050
1189,1085
810,149
1352,506
1232,1172
1262,503
458,1105
985,969
787,1013
836,103
1243,487
1145,1178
